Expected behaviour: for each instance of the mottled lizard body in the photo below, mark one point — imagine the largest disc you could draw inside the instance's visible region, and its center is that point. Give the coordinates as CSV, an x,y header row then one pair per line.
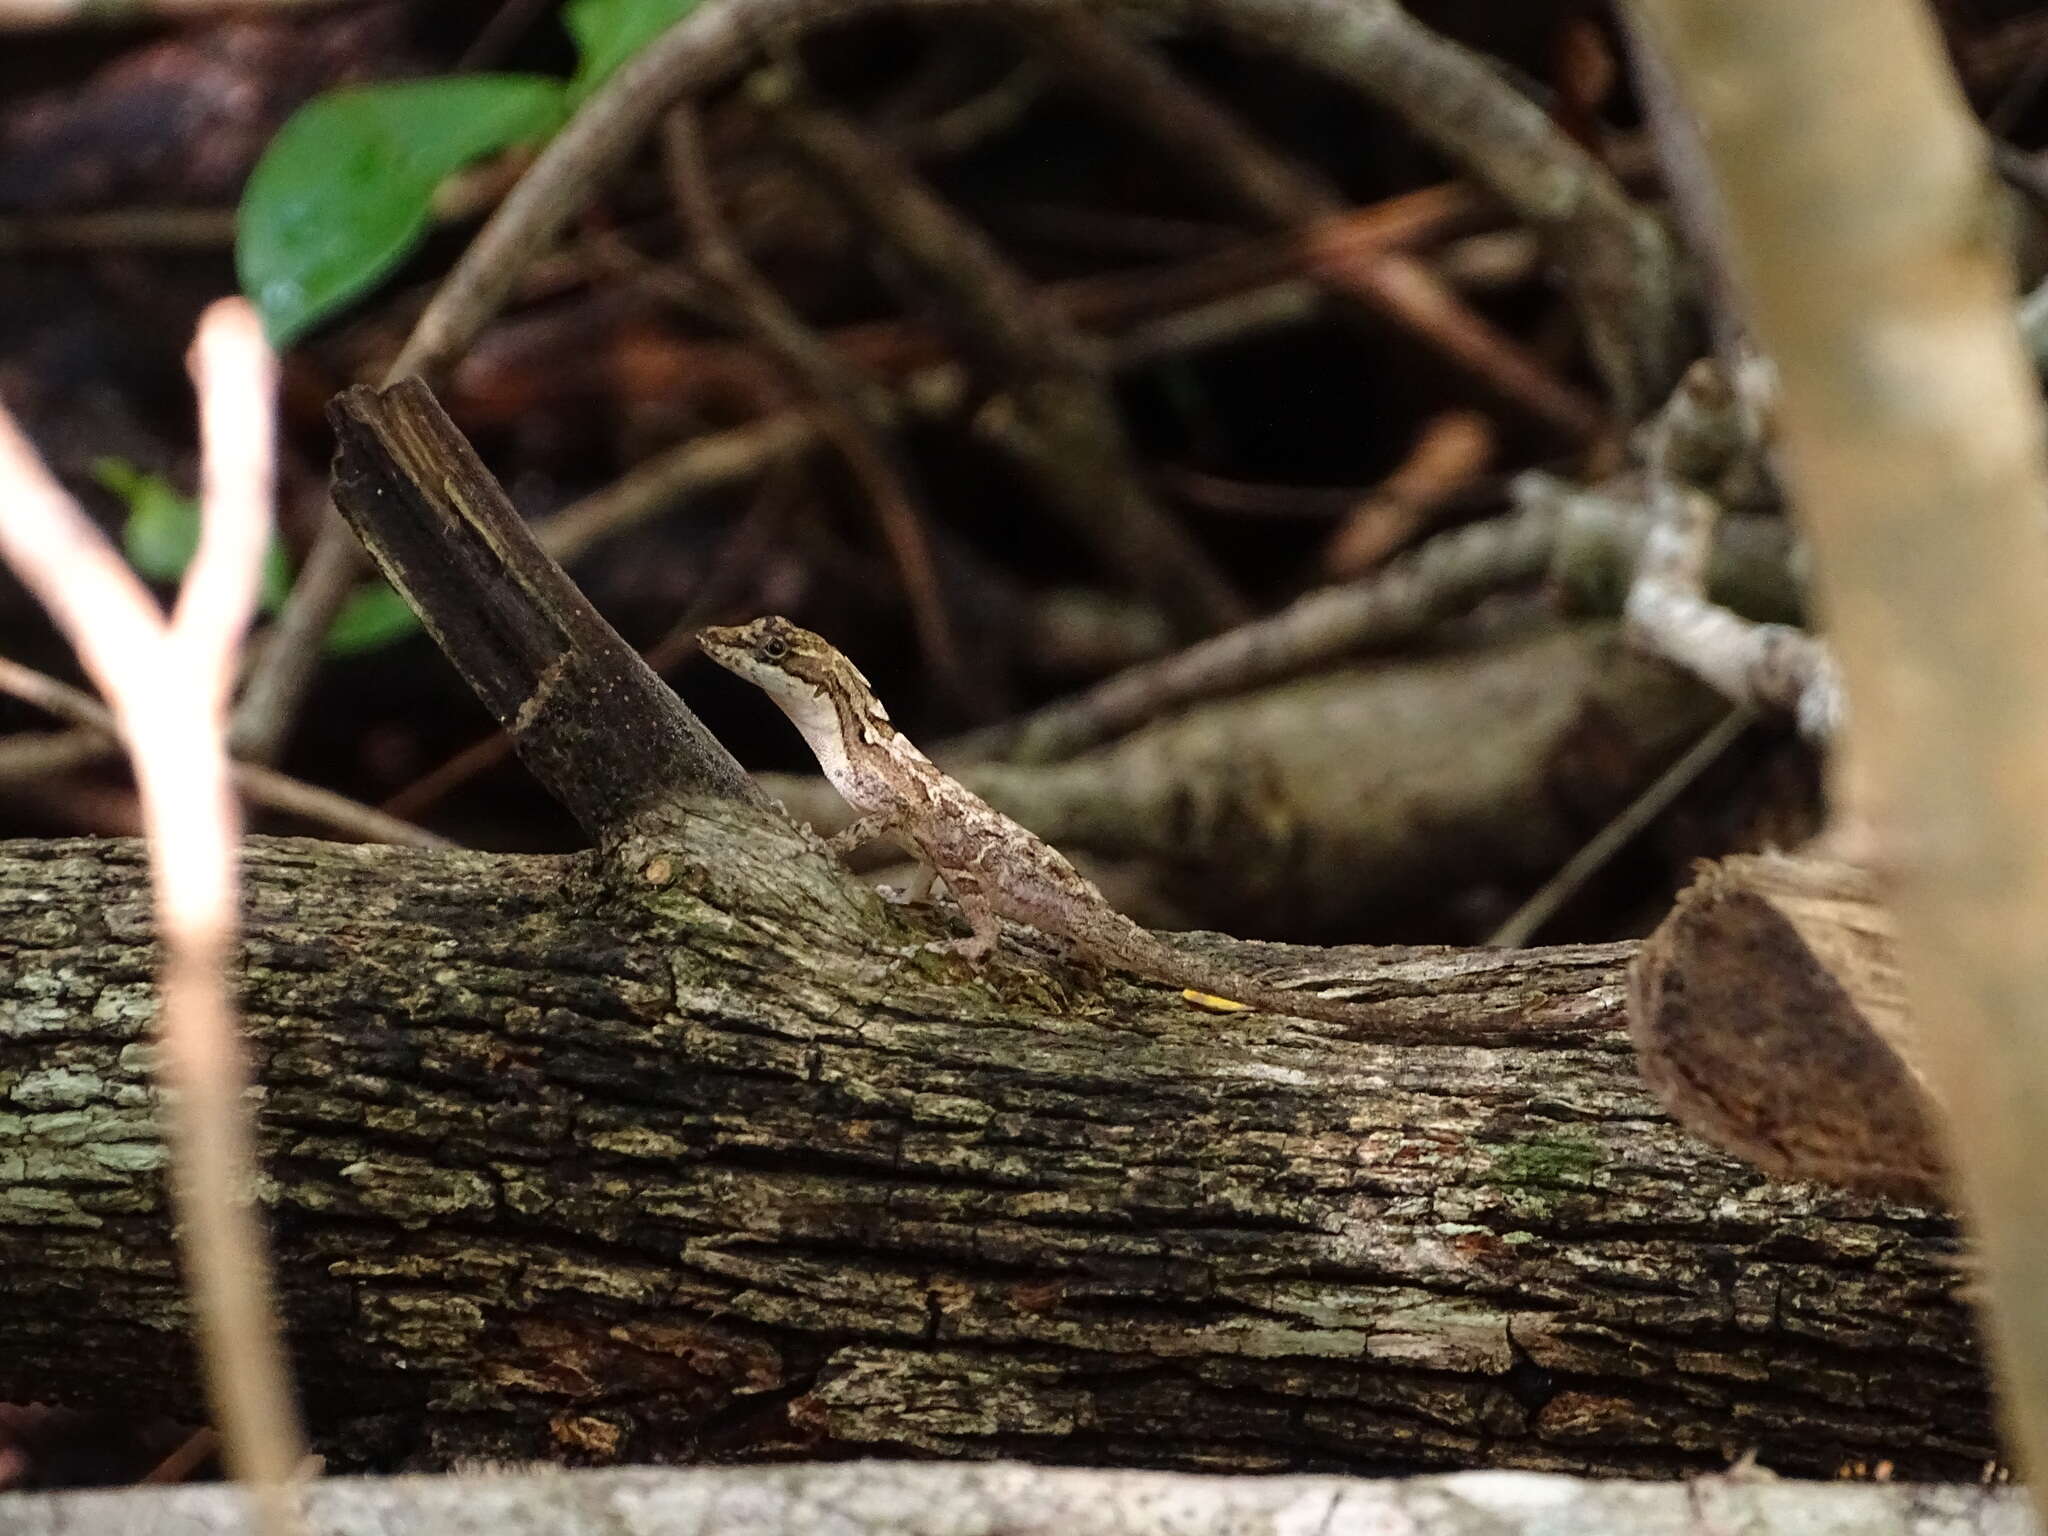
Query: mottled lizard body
x,y
994,868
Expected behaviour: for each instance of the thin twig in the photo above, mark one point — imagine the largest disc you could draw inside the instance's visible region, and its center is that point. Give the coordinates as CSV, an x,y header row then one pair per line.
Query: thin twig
x,y
283,671
97,734
1064,423
324,808
495,38
40,15
657,484
1442,577
167,683
1229,497
449,775
1452,449
1489,262
959,129
1275,306
1408,220
1767,666
851,411
1211,146
190,1455
1122,76
1612,256
1529,919
33,755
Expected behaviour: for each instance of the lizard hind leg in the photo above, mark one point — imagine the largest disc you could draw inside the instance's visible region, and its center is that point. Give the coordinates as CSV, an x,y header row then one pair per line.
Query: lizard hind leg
x,y
915,894
980,915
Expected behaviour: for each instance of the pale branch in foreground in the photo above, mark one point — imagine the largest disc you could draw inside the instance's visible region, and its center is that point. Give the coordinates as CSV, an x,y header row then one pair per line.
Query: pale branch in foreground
x,y
166,680
1865,230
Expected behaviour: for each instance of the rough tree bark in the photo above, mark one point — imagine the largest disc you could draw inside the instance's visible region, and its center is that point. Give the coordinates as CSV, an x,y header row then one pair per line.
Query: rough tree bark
x,y
674,1155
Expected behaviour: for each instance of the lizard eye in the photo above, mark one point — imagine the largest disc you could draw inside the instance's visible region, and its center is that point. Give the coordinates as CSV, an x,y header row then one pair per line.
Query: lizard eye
x,y
774,648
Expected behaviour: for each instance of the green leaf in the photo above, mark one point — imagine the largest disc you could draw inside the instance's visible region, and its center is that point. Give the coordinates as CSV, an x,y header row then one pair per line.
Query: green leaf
x,y
344,191
372,618
162,531
609,32
162,534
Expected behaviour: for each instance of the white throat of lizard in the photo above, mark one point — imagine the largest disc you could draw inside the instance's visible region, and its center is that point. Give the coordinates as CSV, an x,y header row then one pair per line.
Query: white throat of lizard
x,y
812,711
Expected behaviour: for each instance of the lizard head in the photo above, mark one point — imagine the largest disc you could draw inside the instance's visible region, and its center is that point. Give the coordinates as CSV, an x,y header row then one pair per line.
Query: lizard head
x,y
802,672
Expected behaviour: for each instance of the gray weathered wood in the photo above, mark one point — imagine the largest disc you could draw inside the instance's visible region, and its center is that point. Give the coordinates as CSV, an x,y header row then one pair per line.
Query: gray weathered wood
x,y
879,1499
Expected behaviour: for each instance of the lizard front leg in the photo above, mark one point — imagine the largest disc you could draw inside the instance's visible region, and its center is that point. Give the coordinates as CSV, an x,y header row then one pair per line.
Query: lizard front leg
x,y
861,831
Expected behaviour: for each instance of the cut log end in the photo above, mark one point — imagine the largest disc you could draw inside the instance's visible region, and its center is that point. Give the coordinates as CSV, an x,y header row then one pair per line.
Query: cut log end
x,y
1768,1016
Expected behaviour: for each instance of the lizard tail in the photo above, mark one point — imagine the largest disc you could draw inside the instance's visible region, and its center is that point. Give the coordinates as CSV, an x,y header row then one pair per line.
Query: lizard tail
x,y
1140,951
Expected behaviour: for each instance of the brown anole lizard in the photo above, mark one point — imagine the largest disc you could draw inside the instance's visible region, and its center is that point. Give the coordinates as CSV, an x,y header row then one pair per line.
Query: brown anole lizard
x,y
994,868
